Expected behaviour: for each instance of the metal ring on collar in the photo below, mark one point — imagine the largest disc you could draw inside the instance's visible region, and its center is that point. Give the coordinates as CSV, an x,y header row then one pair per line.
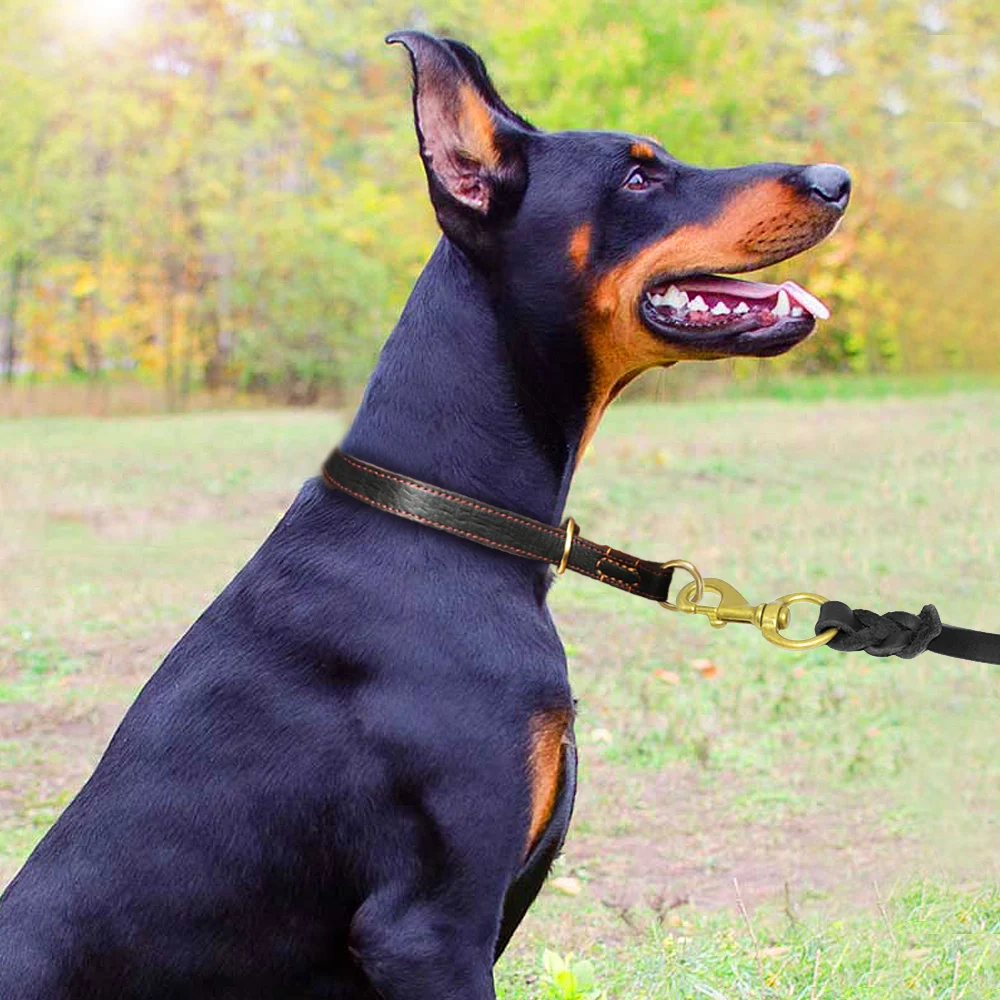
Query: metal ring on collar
x,y
572,530
699,582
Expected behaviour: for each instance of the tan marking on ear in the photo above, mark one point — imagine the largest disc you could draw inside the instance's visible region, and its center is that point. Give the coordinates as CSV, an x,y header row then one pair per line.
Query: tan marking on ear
x,y
548,733
759,225
476,128
642,151
579,245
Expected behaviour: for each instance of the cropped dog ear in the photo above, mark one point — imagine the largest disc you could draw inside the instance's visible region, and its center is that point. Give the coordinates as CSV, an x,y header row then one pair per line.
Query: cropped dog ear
x,y
470,141
476,68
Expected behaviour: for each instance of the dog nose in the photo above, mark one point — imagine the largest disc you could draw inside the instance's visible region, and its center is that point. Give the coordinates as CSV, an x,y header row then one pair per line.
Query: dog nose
x,y
828,183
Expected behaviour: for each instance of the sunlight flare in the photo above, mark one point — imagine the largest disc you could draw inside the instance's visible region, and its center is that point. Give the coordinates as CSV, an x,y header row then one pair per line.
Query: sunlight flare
x,y
103,18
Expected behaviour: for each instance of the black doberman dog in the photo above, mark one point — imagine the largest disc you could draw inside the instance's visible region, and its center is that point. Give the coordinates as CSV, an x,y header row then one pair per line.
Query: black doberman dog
x,y
350,777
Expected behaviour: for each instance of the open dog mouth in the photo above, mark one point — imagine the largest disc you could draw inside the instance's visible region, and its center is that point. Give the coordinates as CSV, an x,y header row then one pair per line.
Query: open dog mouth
x,y
729,316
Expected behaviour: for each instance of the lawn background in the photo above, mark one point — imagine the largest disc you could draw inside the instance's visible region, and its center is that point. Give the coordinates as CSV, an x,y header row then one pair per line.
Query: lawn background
x,y
742,810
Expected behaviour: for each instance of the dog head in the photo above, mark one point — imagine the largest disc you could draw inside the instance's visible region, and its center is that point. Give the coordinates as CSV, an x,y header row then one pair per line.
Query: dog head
x,y
609,236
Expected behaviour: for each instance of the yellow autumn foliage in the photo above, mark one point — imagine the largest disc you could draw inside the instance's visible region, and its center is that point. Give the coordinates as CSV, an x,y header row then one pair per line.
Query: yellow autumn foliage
x,y
252,210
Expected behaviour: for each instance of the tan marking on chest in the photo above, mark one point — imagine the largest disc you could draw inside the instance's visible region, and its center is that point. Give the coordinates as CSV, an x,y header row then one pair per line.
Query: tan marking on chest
x,y
549,730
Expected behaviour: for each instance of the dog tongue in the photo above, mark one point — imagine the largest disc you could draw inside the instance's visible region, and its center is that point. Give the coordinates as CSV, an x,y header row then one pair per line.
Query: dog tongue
x,y
756,290
730,286
807,300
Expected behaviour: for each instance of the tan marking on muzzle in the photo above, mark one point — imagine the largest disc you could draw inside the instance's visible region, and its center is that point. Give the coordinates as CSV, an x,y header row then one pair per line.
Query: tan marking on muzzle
x,y
759,225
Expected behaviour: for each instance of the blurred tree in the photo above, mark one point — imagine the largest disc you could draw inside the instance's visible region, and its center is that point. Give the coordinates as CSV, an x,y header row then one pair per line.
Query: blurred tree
x,y
226,192
33,211
909,95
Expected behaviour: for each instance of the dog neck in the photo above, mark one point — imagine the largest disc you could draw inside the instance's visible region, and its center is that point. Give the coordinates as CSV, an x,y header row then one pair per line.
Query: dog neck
x,y
461,399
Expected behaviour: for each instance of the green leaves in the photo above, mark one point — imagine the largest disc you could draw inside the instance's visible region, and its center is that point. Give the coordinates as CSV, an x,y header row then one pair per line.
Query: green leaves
x,y
568,978
238,184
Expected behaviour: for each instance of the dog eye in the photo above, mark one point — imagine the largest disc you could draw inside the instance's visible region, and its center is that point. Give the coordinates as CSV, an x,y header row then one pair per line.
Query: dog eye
x,y
637,180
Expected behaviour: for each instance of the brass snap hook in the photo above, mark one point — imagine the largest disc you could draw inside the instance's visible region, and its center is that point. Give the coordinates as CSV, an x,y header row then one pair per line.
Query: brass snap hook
x,y
732,606
772,622
770,618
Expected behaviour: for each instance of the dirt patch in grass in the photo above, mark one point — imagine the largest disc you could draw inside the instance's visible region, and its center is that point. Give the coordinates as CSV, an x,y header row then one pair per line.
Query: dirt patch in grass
x,y
120,523
51,741
682,835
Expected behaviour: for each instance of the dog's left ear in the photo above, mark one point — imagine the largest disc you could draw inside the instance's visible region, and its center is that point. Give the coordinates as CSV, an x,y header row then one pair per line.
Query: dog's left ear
x,y
470,141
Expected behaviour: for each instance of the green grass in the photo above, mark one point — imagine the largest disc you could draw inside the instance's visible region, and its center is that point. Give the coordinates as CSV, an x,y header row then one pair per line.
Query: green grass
x,y
746,379
927,943
815,388
854,801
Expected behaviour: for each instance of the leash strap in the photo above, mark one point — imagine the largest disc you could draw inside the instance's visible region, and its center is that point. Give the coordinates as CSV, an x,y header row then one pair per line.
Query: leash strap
x,y
900,633
895,634
495,527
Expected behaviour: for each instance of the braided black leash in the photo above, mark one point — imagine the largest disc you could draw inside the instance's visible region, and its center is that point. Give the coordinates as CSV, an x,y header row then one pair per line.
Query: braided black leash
x,y
897,633
902,634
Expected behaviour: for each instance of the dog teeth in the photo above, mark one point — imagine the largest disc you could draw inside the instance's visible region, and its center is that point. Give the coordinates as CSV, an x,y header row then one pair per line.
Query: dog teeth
x,y
675,297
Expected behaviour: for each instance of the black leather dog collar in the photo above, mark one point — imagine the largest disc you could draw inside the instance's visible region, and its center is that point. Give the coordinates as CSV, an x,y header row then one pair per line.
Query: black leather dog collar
x,y
897,633
495,527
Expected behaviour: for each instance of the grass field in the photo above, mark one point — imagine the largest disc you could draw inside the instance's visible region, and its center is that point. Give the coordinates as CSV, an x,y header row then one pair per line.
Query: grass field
x,y
751,823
